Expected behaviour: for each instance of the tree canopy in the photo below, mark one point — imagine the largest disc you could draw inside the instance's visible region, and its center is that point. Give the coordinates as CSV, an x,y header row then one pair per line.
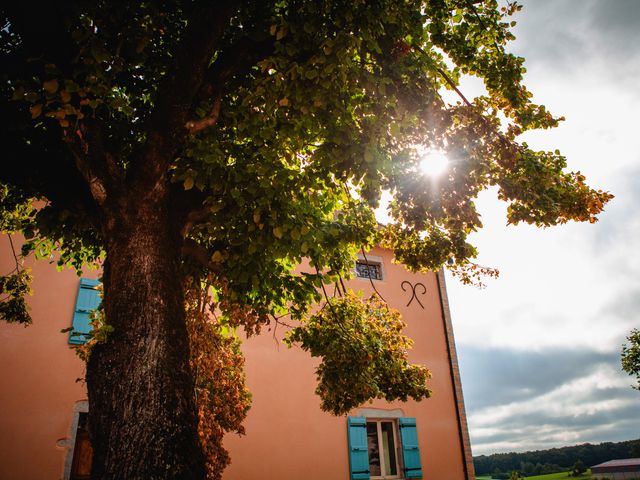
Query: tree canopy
x,y
555,459
229,141
631,356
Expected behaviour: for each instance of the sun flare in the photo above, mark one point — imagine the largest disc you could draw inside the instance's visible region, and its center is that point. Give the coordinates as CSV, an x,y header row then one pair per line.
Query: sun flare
x,y
433,164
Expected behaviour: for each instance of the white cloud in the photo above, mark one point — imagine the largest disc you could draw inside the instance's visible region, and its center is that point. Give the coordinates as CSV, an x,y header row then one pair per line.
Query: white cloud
x,y
575,286
571,413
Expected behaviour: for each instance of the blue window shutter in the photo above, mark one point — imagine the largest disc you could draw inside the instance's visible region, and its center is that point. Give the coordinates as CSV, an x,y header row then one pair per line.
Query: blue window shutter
x,y
88,299
410,450
358,448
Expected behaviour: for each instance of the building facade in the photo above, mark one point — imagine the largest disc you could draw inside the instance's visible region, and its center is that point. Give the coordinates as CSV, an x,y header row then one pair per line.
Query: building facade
x,y
620,469
43,401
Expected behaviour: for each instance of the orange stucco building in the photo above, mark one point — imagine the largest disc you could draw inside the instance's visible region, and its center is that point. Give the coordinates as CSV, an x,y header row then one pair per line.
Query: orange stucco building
x,y
42,397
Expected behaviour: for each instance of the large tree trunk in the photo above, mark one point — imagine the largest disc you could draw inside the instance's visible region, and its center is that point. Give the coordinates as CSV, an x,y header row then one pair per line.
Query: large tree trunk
x,y
142,418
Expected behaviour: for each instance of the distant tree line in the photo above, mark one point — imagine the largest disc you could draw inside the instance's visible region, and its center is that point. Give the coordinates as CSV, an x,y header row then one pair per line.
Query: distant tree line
x,y
554,460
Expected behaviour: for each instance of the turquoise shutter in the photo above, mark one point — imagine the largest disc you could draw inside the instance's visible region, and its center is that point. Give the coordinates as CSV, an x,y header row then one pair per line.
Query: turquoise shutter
x,y
410,450
358,448
88,299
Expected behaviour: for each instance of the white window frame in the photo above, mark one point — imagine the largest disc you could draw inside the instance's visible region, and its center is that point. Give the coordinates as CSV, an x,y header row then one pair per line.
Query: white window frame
x,y
396,445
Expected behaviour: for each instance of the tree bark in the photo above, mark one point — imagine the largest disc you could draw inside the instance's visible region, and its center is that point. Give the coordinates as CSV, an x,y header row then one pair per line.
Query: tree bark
x,y
142,419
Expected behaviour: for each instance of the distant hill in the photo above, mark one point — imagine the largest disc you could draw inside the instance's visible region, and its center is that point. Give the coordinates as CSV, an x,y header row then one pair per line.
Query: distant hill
x,y
555,459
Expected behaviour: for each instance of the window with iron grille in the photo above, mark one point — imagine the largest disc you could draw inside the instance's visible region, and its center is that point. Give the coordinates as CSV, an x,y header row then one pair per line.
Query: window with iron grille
x,y
369,270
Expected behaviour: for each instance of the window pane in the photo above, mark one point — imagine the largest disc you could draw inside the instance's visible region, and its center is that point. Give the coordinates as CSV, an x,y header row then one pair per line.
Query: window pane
x,y
389,449
374,449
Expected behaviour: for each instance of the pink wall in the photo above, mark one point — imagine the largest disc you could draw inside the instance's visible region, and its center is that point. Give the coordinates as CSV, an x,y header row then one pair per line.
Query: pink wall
x,y
288,436
38,372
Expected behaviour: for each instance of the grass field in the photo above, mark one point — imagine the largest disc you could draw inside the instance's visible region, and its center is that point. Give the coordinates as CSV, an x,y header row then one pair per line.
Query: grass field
x,y
551,476
558,476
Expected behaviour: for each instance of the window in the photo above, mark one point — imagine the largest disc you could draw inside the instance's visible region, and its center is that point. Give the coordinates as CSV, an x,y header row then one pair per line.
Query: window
x,y
82,451
383,448
381,443
372,270
77,464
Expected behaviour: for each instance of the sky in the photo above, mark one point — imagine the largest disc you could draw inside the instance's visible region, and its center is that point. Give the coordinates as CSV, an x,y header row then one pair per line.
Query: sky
x,y
539,348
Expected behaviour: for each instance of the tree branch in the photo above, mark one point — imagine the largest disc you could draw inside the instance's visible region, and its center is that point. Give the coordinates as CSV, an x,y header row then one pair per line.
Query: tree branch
x,y
194,126
105,163
166,129
237,59
15,256
96,185
94,162
194,218
188,207
199,254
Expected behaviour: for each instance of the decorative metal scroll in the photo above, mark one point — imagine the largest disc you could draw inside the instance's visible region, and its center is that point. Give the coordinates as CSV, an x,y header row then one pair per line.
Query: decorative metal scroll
x,y
414,295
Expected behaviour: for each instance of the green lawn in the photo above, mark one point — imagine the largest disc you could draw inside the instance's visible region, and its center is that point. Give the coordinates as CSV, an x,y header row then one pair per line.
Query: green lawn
x,y
551,476
558,476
